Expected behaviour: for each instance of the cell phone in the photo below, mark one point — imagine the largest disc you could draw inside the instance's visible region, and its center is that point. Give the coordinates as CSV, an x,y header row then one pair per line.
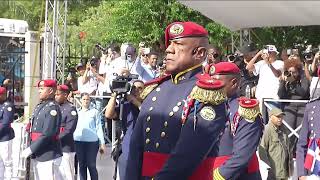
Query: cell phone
x,y
146,50
264,51
141,44
289,51
295,52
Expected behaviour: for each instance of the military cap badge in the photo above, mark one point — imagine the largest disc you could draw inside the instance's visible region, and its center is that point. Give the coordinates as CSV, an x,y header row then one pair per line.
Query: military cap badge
x,y
176,29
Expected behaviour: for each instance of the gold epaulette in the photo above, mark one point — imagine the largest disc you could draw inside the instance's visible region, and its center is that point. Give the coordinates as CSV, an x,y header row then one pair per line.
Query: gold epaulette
x,y
249,109
147,90
217,175
213,97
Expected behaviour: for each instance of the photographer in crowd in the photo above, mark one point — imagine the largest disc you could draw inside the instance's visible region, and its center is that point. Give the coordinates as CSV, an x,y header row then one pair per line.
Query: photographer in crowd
x,y
87,81
269,70
130,113
248,79
213,55
293,85
314,84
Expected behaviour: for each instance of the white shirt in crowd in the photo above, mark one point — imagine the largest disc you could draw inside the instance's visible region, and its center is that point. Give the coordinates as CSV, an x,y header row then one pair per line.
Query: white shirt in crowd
x,y
268,83
90,86
312,87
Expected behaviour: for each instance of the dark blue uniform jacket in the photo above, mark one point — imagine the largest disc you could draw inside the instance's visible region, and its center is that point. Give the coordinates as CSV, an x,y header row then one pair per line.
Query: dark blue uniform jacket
x,y
68,125
45,127
6,118
161,147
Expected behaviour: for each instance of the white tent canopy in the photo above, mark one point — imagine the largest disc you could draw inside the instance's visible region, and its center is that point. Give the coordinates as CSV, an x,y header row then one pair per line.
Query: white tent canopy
x,y
237,15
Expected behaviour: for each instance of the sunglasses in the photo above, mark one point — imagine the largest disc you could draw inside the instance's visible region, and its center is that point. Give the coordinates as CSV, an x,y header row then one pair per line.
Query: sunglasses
x,y
214,55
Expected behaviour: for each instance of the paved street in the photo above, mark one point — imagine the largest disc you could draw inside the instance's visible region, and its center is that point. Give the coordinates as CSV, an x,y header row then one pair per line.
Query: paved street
x,y
105,166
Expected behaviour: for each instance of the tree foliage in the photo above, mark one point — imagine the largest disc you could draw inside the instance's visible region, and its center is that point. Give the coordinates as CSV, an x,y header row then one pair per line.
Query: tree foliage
x,y
139,20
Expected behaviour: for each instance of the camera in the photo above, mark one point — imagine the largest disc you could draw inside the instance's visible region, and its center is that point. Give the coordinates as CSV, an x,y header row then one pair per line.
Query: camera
x,y
104,50
287,73
235,58
94,62
309,53
121,84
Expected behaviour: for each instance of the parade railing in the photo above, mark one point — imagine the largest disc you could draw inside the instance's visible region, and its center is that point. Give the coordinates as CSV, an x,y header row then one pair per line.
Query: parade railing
x,y
266,106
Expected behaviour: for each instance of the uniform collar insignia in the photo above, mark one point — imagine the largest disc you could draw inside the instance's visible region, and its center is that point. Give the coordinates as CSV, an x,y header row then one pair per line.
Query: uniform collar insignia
x,y
180,76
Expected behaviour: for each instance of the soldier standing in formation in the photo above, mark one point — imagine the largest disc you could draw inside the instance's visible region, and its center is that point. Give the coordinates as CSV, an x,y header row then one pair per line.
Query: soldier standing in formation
x,y
237,150
69,119
309,138
165,145
6,135
45,145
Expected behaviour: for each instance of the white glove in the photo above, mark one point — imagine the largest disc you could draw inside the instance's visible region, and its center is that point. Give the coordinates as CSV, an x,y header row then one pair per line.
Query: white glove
x,y
26,152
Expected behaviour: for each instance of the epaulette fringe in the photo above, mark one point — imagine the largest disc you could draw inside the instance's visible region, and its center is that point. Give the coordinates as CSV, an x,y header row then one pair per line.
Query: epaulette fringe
x,y
213,97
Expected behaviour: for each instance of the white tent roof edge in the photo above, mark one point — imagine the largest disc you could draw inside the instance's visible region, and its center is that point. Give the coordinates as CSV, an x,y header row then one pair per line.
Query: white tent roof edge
x,y
236,15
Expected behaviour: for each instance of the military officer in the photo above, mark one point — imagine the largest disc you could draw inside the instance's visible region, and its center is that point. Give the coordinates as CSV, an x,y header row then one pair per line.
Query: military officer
x,y
45,145
6,135
67,127
309,138
177,128
237,150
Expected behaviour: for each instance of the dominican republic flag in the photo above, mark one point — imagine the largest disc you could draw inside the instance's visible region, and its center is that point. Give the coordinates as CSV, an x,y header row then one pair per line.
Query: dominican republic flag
x,y
312,161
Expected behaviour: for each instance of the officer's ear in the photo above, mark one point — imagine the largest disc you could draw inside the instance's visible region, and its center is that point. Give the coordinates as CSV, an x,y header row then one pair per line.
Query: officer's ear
x,y
235,82
200,52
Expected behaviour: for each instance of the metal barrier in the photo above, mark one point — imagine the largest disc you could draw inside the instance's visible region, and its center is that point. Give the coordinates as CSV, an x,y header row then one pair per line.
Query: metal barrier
x,y
266,105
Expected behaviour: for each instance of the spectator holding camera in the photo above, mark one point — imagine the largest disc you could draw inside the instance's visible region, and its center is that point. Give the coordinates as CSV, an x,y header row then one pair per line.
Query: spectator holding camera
x,y
293,85
314,84
87,82
247,52
269,70
130,113
213,55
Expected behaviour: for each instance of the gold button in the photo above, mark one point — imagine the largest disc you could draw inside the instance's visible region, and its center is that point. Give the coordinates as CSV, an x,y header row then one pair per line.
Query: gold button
x,y
170,113
154,98
163,134
148,118
158,89
151,108
179,103
175,109
147,141
148,129
157,145
165,124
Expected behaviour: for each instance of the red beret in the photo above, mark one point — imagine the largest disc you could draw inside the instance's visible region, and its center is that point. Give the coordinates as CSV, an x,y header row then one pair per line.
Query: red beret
x,y
63,87
222,68
178,30
2,90
248,103
206,82
47,83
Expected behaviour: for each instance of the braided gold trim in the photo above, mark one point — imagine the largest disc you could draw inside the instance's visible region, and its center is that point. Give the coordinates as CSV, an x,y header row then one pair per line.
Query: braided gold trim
x,y
217,175
213,97
147,90
249,113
